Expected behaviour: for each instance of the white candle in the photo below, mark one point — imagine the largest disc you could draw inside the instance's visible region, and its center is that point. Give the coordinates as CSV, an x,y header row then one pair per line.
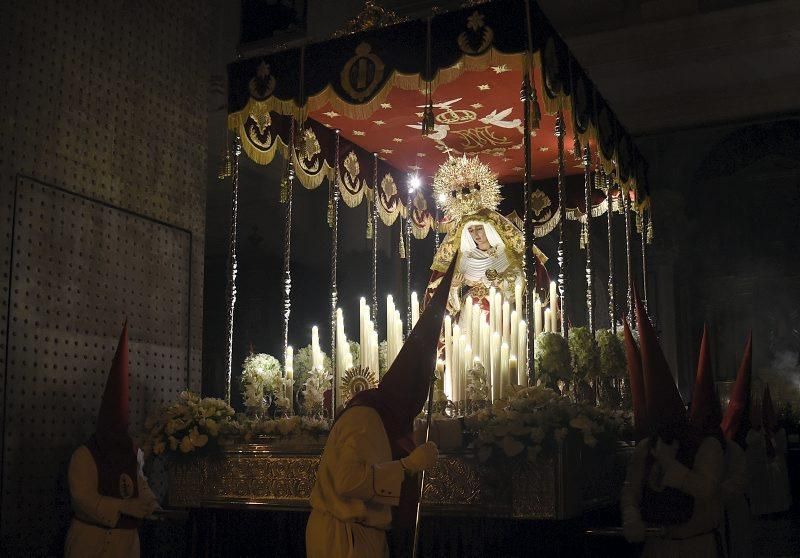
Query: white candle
x,y
492,311
513,370
467,321
553,307
414,309
506,321
375,363
462,365
455,355
496,366
440,373
498,302
485,345
288,365
467,365
518,295
448,361
389,330
475,334
316,357
548,320
537,316
513,340
505,375
522,353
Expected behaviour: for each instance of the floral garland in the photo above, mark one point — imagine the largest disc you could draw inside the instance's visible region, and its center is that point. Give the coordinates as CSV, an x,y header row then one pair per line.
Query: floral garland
x,y
584,353
303,364
190,425
263,384
534,421
552,357
612,361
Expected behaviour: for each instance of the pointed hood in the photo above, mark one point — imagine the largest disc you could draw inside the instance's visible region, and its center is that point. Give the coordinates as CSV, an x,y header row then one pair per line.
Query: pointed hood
x,y
407,382
736,421
112,420
665,408
705,413
403,390
636,381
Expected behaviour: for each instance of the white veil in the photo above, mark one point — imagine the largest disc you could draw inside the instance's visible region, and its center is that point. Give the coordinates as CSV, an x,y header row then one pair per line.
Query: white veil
x,y
473,263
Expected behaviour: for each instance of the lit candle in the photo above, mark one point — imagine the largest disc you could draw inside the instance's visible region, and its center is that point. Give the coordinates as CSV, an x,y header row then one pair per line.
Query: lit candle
x,y
537,316
514,372
498,302
518,295
316,357
506,331
288,365
553,307
375,363
548,321
513,340
440,373
522,353
414,309
492,311
496,366
505,374
448,361
467,321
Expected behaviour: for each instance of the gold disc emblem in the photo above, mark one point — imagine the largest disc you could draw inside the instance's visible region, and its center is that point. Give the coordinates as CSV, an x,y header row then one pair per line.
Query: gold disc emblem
x,y
125,486
356,380
363,73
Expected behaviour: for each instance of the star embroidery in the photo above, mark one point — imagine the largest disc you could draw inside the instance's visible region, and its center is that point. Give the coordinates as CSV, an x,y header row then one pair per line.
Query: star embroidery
x,y
419,114
327,125
378,122
518,146
543,149
484,87
331,114
387,151
421,154
386,105
477,106
501,68
414,168
554,162
397,140
359,133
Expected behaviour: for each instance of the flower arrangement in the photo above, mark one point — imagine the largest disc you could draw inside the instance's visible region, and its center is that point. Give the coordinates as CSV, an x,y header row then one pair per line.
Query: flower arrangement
x,y
190,425
584,353
313,392
383,352
477,386
263,384
612,360
246,428
302,366
534,421
552,357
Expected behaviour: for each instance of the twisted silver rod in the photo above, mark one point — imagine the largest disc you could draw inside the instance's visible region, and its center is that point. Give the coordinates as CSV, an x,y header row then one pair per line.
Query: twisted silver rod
x,y
232,266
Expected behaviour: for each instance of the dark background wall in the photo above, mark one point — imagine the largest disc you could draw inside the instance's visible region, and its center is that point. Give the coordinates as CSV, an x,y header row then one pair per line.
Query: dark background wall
x,y
102,217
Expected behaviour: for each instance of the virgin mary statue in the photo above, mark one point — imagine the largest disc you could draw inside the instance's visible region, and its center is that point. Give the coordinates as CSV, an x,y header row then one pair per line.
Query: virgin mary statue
x,y
490,246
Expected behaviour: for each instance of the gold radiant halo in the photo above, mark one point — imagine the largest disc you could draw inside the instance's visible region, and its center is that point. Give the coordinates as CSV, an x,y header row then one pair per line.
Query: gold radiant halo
x,y
357,379
463,186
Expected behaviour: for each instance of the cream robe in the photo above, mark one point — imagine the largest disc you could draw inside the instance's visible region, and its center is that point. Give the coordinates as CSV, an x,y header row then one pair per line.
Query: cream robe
x,y
694,538
737,531
357,484
91,533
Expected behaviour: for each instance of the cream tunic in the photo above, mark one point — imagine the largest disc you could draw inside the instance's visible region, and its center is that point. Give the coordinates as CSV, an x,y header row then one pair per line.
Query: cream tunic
x,y
91,533
737,532
694,538
357,484
757,479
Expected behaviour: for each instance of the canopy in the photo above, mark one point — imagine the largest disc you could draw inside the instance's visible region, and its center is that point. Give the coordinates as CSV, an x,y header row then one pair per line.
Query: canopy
x,y
369,87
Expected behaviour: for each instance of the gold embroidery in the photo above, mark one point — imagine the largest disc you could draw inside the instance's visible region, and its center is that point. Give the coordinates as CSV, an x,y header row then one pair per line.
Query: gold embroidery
x,y
363,73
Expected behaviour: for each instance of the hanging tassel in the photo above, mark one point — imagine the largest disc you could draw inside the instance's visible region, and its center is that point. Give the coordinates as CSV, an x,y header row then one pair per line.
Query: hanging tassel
x,y
369,220
428,120
650,232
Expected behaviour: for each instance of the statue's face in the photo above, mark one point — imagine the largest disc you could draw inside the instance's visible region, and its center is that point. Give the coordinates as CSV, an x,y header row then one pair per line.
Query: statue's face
x,y
479,236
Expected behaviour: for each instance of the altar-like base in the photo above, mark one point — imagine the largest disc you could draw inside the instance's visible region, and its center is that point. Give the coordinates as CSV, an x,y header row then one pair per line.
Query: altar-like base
x,y
274,474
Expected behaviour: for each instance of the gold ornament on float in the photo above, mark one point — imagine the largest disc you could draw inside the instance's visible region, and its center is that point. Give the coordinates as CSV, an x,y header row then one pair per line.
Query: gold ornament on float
x,y
462,186
357,379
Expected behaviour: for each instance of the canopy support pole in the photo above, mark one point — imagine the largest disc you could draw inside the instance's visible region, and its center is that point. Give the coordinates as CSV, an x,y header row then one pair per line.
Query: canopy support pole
x,y
528,259
587,185
334,218
374,217
645,225
287,242
626,209
232,265
612,309
562,230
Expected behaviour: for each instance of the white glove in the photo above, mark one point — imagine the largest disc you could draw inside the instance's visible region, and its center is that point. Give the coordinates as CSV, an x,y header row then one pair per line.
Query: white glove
x,y
139,507
423,457
633,530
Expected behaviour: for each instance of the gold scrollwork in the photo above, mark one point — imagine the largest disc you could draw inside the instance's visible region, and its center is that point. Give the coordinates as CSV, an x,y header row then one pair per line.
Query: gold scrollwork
x,y
476,139
476,27
362,74
451,116
311,149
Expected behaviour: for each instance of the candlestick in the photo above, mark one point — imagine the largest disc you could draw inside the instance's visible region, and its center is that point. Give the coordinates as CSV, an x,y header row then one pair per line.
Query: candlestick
x,y
553,307
414,309
537,316
288,365
505,375
498,303
496,366
467,321
448,360
518,295
513,371
513,338
522,353
455,355
462,365
475,333
548,320
506,331
467,365
316,357
492,311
